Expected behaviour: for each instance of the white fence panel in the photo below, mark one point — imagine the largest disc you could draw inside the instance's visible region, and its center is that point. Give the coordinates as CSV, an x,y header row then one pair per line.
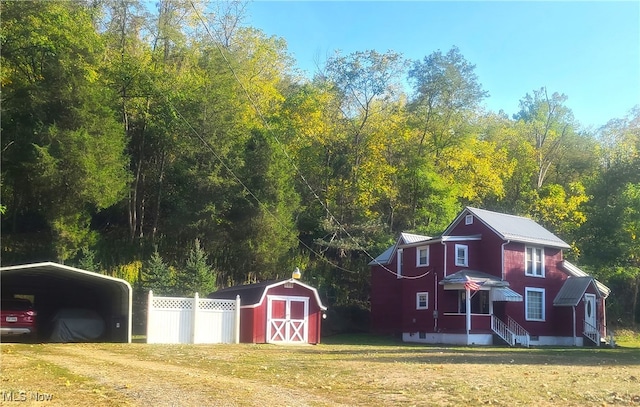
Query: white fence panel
x,y
192,320
216,320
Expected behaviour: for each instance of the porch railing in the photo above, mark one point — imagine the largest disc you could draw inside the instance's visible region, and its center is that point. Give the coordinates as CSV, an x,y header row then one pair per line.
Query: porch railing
x,y
591,332
511,332
520,334
502,330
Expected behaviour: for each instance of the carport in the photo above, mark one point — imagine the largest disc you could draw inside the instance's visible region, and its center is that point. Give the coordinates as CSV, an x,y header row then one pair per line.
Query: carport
x,y
55,286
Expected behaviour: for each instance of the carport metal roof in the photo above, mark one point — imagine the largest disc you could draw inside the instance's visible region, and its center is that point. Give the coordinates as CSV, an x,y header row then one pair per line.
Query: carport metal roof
x,y
50,272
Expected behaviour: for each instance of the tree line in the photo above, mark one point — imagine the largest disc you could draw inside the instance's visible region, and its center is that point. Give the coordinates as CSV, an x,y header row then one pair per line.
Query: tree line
x,y
180,149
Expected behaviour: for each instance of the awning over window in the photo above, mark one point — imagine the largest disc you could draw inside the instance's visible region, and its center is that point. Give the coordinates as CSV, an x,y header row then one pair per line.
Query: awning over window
x,y
505,294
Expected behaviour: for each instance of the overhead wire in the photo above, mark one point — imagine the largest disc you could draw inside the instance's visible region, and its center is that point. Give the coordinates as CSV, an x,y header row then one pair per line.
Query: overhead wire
x,y
289,158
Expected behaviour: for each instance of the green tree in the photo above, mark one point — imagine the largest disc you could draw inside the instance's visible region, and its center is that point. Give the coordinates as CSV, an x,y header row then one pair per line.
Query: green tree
x,y
609,237
197,276
547,124
157,276
63,152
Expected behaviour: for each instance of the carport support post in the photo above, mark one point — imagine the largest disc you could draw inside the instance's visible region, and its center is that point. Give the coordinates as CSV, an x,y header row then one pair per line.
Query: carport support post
x,y
236,330
194,328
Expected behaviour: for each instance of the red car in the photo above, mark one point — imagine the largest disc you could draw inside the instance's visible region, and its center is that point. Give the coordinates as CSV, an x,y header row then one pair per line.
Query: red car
x,y
17,317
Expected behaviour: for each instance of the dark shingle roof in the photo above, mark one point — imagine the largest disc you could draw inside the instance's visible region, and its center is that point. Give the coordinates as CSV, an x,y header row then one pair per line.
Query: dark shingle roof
x,y
249,293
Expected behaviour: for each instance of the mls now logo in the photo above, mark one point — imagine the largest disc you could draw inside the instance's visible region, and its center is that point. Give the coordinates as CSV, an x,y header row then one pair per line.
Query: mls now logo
x,y
21,395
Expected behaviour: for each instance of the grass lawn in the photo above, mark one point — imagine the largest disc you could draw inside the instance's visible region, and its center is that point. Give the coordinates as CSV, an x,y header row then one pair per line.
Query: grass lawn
x,y
358,370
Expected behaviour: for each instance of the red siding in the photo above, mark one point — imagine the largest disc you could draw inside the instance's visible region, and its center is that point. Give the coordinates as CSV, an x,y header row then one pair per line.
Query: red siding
x,y
393,301
253,328
385,301
558,320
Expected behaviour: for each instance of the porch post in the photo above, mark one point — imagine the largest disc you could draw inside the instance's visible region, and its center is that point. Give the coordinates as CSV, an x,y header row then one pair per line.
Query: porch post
x,y
467,300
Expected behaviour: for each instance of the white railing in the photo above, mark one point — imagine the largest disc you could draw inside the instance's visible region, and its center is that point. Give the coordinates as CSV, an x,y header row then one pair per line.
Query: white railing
x,y
511,333
520,334
591,332
502,330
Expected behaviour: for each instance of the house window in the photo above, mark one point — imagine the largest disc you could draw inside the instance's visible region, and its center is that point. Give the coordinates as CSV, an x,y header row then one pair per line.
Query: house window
x,y
534,261
399,266
479,302
462,255
422,256
422,300
468,220
534,304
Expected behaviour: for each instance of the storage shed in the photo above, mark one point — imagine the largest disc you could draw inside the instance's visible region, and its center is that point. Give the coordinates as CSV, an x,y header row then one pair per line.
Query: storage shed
x,y
78,297
285,311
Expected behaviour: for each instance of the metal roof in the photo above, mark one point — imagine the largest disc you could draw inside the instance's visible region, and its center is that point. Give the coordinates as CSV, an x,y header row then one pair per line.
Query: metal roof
x,y
408,238
404,238
514,228
572,291
58,280
575,271
463,276
505,294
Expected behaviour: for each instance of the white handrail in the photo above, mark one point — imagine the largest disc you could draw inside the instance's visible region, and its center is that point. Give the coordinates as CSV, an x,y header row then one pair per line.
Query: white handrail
x,y
591,332
502,330
519,332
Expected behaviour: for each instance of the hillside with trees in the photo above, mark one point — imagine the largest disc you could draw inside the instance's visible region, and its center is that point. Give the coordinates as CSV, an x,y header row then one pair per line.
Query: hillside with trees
x,y
181,150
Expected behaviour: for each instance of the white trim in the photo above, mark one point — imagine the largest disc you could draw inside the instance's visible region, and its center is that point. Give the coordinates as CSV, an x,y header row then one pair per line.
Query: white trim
x,y
291,280
448,338
418,295
591,299
287,329
465,248
468,220
527,290
399,261
418,250
534,250
64,267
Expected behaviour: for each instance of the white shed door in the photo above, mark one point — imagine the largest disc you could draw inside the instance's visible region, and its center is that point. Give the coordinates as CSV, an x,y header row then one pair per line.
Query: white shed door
x,y
287,319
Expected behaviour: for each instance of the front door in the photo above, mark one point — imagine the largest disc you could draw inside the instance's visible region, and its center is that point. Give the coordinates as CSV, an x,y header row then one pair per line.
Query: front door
x,y
590,313
287,319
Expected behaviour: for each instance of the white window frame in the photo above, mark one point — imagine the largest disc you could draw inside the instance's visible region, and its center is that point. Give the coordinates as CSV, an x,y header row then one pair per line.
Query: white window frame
x,y
399,263
535,271
468,220
426,300
528,290
418,250
465,260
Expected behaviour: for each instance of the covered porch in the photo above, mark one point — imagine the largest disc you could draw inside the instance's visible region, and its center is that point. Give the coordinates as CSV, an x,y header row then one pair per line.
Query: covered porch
x,y
474,312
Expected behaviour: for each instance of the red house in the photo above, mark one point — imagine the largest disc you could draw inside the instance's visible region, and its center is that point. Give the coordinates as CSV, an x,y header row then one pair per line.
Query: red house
x,y
285,311
490,278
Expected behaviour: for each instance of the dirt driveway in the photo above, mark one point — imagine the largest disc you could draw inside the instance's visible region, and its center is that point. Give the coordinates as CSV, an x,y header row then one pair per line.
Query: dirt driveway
x,y
137,382
138,374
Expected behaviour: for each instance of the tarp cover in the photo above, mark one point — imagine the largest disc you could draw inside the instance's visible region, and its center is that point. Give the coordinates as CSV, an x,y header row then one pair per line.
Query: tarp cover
x,y
76,325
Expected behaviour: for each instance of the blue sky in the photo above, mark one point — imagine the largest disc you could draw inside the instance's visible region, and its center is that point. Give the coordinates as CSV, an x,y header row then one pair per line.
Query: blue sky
x,y
590,51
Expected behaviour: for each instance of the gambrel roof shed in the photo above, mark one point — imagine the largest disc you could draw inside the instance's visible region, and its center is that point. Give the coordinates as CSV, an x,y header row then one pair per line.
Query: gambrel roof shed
x,y
282,311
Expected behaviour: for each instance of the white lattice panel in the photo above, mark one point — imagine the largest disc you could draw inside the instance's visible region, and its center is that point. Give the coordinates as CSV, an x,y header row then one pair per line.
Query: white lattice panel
x,y
172,303
217,305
